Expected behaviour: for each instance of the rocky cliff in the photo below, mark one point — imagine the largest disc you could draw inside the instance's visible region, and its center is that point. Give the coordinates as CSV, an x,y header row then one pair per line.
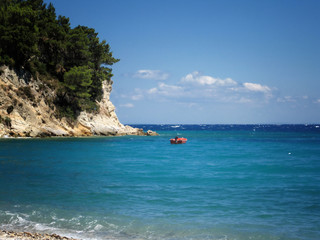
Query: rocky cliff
x,y
27,110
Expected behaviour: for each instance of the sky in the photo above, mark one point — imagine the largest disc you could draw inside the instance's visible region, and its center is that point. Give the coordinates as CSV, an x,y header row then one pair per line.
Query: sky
x,y
209,61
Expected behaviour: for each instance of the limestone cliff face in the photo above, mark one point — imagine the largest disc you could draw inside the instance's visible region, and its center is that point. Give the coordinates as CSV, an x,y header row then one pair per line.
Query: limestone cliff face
x,y
27,109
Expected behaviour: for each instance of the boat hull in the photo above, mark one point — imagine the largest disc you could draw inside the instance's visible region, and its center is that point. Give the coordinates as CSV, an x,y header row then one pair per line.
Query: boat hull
x,y
178,141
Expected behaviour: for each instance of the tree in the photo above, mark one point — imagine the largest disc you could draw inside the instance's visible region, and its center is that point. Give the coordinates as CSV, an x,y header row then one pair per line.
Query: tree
x,y
33,38
78,81
18,34
99,59
78,53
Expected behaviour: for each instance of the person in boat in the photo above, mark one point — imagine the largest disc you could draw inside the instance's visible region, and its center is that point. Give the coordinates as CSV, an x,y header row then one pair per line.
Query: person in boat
x,y
176,138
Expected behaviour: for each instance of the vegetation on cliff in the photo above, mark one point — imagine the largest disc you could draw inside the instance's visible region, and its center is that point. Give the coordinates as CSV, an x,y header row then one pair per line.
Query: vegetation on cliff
x,y
32,37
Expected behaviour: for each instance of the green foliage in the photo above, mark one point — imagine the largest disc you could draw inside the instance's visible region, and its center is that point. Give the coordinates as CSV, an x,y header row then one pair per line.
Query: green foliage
x,y
75,95
66,111
7,122
87,105
78,81
33,37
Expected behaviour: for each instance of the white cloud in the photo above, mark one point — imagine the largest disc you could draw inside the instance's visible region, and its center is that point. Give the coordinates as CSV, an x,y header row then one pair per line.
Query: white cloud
x,y
317,101
286,99
244,100
127,105
255,87
199,88
132,96
166,90
153,91
202,80
151,74
137,97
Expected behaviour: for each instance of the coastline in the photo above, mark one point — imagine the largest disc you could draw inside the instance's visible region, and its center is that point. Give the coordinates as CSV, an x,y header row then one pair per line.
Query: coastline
x,y
140,132
4,234
36,116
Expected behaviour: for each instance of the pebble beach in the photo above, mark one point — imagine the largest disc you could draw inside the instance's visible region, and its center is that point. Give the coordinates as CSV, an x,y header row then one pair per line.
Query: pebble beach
x,y
28,236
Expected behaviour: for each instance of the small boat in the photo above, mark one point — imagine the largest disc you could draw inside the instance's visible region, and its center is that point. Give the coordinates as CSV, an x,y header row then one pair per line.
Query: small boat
x,y
178,140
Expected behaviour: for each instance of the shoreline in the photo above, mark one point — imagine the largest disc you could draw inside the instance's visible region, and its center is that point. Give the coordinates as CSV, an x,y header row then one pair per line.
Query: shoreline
x,y
140,133
4,234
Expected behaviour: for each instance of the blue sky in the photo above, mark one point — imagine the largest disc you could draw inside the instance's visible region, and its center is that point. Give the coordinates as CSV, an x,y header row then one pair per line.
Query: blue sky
x,y
207,61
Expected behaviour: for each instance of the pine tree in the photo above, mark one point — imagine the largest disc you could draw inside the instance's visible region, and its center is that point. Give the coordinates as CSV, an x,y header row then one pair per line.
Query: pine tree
x,y
34,38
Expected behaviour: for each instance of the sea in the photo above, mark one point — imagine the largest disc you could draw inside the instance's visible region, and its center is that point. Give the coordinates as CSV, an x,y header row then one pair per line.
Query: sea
x,y
228,182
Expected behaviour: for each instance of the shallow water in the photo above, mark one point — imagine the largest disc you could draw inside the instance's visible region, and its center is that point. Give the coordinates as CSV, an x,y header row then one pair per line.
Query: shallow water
x,y
227,182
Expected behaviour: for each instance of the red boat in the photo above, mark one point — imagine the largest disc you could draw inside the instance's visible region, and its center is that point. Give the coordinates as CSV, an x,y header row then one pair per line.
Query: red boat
x,y
178,140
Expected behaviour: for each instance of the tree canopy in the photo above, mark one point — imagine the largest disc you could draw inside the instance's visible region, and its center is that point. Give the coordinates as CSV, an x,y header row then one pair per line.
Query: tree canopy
x,y
32,36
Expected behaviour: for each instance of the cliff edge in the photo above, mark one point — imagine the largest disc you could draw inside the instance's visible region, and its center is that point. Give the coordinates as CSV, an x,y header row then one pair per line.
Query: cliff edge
x,y
27,110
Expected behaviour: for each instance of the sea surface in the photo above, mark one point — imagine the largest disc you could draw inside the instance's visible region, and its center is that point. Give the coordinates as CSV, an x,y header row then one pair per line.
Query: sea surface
x,y
239,182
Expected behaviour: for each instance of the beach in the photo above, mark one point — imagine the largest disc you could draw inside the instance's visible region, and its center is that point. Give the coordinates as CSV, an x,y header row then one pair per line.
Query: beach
x,y
30,236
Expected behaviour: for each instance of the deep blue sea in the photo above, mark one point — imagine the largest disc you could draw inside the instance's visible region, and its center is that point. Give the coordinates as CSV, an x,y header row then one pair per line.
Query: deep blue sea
x,y
228,182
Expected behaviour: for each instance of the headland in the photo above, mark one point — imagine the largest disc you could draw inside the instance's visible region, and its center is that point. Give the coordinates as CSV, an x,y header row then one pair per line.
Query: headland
x,y
27,109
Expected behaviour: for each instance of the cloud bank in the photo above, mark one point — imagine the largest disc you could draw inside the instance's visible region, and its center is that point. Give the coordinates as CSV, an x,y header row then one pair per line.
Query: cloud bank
x,y
151,74
256,87
197,87
127,105
203,87
202,80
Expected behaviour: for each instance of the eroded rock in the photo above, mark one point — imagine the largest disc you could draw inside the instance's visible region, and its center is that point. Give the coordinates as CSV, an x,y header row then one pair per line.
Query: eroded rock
x,y
26,110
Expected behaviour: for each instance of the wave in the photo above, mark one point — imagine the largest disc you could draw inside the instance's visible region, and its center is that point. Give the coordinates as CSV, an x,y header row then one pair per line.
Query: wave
x,y
88,228
36,223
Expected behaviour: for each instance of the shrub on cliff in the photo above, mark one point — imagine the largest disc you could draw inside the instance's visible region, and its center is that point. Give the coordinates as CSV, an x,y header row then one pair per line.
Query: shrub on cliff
x,y
7,122
25,92
77,84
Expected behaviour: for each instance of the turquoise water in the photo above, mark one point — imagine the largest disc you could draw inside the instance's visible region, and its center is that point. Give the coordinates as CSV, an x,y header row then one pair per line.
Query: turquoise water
x,y
227,182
